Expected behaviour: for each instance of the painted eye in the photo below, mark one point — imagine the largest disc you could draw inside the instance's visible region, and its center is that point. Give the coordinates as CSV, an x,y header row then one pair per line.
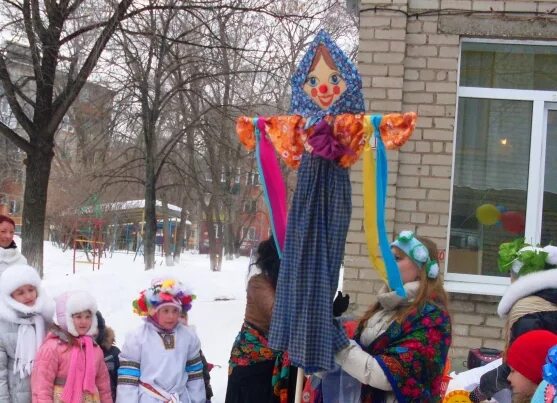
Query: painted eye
x,y
334,78
312,81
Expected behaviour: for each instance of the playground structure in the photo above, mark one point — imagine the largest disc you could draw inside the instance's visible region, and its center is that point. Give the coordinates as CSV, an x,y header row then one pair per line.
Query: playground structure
x,y
110,228
88,237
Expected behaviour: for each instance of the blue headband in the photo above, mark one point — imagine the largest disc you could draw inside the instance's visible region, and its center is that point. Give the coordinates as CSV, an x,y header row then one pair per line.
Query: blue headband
x,y
417,252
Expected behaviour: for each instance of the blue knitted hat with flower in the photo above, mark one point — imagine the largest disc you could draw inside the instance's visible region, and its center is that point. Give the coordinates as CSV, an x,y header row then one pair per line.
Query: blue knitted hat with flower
x,y
417,252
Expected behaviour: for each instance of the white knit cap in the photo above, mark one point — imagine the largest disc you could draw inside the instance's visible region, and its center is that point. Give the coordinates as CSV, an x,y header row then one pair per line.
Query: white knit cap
x,y
71,303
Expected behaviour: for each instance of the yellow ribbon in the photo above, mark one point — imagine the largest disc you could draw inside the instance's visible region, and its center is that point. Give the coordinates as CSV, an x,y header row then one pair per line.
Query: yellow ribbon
x,y
370,203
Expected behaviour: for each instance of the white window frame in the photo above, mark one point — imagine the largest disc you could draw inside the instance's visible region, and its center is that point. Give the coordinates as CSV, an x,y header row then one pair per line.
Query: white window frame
x,y
542,101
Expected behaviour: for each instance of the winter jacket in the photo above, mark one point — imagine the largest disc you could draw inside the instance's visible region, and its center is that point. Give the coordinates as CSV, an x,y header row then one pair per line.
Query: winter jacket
x,y
260,300
9,257
361,365
106,339
539,287
13,388
173,368
51,369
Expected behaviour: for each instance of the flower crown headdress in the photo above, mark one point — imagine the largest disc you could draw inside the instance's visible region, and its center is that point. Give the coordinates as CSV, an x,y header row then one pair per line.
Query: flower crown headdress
x,y
523,258
167,291
418,252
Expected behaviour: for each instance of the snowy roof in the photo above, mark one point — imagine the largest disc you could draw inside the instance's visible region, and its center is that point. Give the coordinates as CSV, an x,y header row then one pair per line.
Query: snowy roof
x,y
131,204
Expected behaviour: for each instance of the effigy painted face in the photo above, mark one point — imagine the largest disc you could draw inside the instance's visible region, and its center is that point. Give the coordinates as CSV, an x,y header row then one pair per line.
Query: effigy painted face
x,y
324,84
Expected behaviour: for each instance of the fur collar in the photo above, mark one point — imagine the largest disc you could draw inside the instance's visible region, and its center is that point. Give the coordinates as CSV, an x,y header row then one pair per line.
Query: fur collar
x,y
526,286
9,255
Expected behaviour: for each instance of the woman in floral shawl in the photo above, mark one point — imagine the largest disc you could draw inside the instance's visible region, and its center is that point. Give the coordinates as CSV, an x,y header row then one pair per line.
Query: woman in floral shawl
x,y
402,343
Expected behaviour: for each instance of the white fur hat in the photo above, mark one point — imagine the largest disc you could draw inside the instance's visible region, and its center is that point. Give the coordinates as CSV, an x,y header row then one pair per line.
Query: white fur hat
x,y
71,303
551,254
13,278
17,275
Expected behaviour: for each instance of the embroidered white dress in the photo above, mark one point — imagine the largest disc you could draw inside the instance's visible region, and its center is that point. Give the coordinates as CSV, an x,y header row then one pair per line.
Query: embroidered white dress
x,y
156,367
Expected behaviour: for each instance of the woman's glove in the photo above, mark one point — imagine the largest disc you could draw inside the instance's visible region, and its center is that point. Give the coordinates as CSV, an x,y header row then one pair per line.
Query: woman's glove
x,y
340,304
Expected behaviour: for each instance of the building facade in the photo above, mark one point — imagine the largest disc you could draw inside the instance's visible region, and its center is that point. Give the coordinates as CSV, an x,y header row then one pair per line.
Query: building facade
x,y
482,76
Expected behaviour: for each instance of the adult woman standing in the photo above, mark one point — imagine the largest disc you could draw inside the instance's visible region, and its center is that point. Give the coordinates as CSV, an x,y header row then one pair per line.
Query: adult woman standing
x,y
403,342
9,254
252,363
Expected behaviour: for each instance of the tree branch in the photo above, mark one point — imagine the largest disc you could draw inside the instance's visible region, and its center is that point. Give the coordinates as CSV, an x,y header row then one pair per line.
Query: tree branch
x,y
8,85
16,138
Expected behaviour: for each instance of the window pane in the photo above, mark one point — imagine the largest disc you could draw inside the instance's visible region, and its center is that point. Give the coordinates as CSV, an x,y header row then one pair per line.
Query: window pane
x,y
497,65
549,218
491,167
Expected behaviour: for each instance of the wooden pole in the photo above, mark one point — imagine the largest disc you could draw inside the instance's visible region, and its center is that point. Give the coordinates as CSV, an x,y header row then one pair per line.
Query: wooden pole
x,y
299,386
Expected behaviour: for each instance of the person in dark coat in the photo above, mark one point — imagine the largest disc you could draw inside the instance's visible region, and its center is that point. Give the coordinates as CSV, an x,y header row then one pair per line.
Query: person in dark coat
x,y
105,339
530,303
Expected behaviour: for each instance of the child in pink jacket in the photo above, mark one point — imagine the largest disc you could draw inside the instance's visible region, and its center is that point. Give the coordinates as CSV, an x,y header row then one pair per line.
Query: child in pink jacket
x,y
69,367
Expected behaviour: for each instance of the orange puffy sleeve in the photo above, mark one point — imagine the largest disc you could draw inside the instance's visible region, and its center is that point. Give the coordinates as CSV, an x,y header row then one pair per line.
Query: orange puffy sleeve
x,y
288,136
246,132
349,130
285,132
396,129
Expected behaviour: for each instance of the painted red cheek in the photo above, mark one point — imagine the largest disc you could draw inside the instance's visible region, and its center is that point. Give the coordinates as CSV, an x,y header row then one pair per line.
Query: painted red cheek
x,y
323,88
336,89
314,92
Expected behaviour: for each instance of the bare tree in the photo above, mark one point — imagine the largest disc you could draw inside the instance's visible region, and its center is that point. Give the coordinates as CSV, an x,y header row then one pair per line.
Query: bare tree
x,y
40,114
54,32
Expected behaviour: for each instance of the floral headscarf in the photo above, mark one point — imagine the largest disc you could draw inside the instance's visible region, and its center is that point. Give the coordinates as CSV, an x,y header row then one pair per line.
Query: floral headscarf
x,y
351,101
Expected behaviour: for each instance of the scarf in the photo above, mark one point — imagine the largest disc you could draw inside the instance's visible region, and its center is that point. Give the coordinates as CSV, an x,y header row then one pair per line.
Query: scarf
x,y
30,336
412,354
252,347
82,372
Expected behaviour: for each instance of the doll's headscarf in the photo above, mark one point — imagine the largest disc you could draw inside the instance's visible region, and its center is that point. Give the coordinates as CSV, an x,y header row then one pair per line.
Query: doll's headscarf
x,y
350,101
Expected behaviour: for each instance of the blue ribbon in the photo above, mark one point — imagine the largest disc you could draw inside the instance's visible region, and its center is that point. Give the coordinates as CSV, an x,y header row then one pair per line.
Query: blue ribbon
x,y
393,275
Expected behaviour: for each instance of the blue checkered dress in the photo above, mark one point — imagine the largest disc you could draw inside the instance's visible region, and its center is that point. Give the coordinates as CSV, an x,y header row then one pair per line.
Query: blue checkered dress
x,y
318,221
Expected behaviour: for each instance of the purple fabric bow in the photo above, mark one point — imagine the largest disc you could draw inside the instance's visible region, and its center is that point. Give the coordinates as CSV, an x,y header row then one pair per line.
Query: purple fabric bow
x,y
324,144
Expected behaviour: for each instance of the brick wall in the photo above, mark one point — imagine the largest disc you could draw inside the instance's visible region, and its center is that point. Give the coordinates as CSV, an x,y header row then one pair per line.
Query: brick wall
x,y
411,65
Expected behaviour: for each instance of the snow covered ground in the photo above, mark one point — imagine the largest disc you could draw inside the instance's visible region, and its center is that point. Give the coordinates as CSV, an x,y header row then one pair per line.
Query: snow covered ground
x,y
217,313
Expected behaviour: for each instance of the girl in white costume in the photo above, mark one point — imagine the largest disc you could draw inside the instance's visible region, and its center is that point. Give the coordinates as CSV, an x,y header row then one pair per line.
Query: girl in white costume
x,y
160,360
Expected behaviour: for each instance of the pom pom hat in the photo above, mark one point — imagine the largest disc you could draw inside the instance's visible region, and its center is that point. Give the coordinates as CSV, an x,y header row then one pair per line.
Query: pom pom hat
x,y
73,302
527,354
163,292
417,252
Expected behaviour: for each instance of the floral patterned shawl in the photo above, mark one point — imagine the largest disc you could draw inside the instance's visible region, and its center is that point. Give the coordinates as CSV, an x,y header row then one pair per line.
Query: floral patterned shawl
x,y
413,354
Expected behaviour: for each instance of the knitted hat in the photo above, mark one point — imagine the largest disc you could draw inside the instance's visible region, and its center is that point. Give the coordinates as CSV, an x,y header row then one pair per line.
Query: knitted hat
x,y
528,352
13,278
163,292
71,303
417,252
